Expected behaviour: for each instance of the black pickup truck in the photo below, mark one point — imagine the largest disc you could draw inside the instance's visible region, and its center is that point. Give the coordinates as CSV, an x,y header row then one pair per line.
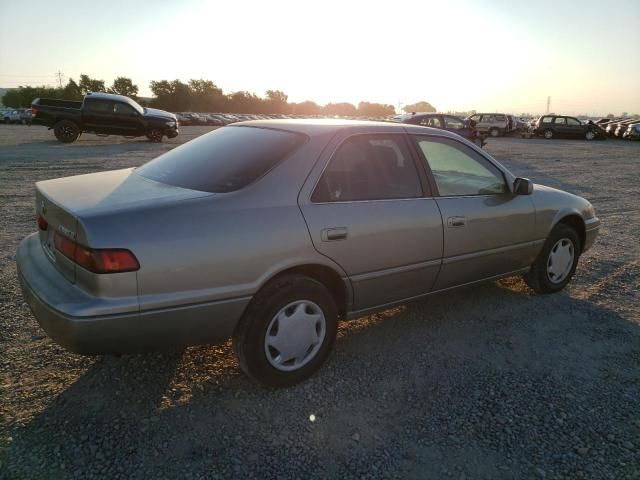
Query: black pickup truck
x,y
103,114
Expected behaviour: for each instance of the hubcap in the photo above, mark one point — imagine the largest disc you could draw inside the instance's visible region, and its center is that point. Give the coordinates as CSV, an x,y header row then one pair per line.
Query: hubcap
x,y
560,260
294,335
548,134
590,135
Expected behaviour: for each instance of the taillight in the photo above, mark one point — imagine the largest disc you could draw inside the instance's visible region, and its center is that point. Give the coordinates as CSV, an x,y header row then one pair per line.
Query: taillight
x,y
42,223
34,110
103,260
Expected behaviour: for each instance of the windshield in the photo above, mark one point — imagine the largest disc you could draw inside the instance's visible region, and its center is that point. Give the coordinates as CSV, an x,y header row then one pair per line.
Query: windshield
x,y
224,160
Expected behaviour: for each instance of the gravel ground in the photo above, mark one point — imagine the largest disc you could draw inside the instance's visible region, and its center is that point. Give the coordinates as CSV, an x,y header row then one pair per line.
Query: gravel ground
x,y
490,381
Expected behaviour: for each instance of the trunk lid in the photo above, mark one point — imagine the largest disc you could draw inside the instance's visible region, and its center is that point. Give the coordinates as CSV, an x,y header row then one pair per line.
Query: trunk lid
x,y
63,203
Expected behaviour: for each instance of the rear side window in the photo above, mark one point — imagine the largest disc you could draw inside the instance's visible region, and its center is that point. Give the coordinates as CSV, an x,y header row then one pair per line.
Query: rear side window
x,y
499,118
560,121
369,167
224,160
431,122
452,122
103,106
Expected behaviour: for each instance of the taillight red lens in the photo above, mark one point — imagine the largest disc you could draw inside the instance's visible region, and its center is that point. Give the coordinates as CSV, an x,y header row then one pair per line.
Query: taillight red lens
x,y
107,260
42,223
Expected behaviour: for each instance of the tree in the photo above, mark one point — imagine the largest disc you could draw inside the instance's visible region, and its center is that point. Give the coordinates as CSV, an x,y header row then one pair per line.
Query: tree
x,y
277,102
88,84
419,107
206,96
124,86
22,97
367,109
72,91
174,95
306,108
610,115
246,102
344,109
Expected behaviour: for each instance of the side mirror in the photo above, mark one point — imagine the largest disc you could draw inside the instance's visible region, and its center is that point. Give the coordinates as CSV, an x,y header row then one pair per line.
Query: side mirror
x,y
522,186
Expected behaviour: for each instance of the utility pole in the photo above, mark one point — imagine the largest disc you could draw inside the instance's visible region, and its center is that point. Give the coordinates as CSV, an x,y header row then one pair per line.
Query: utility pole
x,y
548,103
59,74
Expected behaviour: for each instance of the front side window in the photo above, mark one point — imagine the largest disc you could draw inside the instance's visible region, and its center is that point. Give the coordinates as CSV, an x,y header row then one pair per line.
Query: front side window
x,y
573,121
224,160
560,121
123,109
431,122
499,118
547,119
369,167
458,170
452,122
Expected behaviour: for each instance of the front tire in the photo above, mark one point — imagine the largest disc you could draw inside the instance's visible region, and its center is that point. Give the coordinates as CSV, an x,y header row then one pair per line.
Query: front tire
x,y
287,331
557,262
66,131
154,135
590,135
548,134
494,132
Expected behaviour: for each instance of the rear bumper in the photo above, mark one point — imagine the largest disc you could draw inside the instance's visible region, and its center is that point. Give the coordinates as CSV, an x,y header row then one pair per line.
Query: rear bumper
x,y
53,300
592,227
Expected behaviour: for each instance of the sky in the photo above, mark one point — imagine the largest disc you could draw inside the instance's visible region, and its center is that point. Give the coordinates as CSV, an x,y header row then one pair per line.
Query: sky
x,y
484,55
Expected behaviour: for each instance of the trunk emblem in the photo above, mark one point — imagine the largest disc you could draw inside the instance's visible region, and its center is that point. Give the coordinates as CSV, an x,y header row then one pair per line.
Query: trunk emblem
x,y
67,232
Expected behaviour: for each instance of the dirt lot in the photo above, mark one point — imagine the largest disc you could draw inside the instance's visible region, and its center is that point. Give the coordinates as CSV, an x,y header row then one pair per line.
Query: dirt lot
x,y
488,382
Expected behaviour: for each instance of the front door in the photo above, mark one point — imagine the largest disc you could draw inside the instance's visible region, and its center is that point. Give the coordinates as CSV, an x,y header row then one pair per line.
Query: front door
x,y
488,230
369,213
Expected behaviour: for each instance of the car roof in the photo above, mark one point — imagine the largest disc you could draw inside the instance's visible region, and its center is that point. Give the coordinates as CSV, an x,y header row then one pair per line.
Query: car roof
x,y
313,126
108,96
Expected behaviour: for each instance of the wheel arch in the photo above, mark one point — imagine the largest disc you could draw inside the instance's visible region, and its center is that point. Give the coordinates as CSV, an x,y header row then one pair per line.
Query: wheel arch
x,y
575,221
339,287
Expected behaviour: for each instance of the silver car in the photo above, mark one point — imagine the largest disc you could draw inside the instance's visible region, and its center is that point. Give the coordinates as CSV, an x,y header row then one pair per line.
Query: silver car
x,y
271,231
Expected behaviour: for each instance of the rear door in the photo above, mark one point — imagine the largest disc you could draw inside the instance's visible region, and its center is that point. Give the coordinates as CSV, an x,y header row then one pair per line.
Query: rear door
x,y
456,125
488,231
366,209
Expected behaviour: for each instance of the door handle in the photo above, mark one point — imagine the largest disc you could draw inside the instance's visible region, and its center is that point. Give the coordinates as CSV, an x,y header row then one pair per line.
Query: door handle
x,y
456,221
331,234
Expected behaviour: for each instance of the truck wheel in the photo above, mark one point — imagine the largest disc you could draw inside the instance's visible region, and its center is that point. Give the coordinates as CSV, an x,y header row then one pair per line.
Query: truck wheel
x,y
494,132
154,135
66,131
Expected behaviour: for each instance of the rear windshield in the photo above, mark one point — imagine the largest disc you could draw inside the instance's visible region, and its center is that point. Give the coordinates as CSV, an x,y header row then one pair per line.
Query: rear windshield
x,y
224,160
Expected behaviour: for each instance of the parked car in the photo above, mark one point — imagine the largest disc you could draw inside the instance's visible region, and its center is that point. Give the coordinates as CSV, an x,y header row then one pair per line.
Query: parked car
x,y
622,127
451,123
103,113
611,127
11,115
494,124
26,116
184,119
555,126
271,231
632,132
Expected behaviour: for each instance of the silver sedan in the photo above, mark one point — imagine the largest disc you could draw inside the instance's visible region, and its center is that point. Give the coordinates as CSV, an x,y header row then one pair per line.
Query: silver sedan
x,y
271,231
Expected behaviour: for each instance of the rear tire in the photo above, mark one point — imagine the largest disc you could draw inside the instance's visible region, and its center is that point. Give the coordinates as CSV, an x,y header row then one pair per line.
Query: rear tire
x,y
66,131
276,314
557,262
548,134
154,135
590,135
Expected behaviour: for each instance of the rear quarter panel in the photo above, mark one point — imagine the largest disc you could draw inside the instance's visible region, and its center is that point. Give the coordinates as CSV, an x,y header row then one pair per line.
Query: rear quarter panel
x,y
220,246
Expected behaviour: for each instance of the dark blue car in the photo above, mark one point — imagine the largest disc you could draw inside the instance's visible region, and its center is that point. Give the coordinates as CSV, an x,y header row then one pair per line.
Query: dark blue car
x,y
443,121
